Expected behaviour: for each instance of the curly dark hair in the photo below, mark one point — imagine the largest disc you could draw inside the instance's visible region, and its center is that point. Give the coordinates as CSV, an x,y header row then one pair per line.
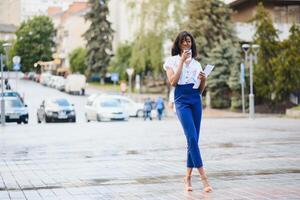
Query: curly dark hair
x,y
179,39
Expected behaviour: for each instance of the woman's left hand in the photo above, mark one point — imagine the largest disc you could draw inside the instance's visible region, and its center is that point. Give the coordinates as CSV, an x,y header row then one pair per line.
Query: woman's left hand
x,y
202,76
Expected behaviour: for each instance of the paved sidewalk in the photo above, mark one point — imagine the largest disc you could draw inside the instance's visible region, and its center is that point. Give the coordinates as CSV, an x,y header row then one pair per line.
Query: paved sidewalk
x,y
244,159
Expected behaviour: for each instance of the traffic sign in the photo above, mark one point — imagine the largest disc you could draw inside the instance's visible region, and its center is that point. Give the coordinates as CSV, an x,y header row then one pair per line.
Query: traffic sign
x,y
114,77
16,67
129,71
16,59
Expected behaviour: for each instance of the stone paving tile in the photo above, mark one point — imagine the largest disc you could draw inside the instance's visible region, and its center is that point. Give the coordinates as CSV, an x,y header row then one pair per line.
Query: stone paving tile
x,y
244,159
4,195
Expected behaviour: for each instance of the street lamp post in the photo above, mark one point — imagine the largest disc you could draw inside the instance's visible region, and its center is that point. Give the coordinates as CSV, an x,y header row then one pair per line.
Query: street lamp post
x,y
2,92
6,46
254,48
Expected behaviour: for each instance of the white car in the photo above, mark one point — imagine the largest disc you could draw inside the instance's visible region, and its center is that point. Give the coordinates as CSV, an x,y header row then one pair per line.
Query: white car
x,y
60,83
75,84
133,108
104,108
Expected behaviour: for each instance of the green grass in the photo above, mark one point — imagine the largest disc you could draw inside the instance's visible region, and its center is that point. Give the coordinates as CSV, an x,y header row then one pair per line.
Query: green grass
x,y
296,108
106,87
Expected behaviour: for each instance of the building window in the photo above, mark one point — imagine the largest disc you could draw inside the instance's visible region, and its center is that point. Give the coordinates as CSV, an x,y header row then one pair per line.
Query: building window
x,y
293,14
280,15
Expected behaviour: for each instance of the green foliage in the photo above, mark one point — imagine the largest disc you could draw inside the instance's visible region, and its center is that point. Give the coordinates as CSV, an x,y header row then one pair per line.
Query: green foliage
x,y
34,41
99,38
147,56
147,50
12,53
287,71
77,60
121,61
209,22
2,51
264,72
217,81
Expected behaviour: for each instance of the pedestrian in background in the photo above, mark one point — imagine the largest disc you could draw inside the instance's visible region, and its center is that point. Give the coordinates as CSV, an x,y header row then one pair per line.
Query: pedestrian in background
x,y
123,87
159,107
147,109
7,85
181,69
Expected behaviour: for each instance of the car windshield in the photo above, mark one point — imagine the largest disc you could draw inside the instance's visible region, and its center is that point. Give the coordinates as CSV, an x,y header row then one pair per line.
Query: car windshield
x,y
10,94
13,103
110,103
61,102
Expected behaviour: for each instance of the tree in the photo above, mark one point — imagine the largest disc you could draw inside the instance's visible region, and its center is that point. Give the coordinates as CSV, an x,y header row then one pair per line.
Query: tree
x,y
209,22
221,56
154,30
2,51
264,72
34,41
99,38
287,71
121,60
77,60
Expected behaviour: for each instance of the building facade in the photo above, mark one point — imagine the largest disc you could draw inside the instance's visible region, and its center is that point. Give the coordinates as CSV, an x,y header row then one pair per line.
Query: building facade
x,y
70,26
16,11
282,12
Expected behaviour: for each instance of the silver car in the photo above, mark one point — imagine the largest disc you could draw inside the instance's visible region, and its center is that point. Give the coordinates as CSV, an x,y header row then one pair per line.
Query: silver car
x,y
15,110
56,110
104,108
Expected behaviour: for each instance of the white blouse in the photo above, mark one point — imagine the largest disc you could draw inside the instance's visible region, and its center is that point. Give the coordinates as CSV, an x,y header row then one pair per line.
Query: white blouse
x,y
189,71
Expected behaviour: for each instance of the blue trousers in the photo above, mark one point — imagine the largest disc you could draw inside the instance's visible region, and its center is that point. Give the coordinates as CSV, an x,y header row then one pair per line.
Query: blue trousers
x,y
188,106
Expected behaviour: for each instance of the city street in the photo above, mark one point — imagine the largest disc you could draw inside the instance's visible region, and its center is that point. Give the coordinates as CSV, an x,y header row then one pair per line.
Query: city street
x,y
244,159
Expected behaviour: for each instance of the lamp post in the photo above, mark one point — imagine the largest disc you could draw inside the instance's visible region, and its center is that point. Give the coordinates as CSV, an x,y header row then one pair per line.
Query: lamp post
x,y
2,93
254,49
6,48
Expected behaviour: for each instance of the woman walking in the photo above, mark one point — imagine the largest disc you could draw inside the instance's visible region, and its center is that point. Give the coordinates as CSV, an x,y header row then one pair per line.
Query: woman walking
x,y
181,69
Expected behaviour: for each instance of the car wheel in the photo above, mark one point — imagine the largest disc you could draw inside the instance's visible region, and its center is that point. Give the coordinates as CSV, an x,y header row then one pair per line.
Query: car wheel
x,y
19,121
98,118
25,121
47,119
140,113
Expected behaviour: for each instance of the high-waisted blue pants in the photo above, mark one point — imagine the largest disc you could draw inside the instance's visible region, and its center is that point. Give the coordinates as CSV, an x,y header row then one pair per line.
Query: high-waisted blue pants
x,y
188,105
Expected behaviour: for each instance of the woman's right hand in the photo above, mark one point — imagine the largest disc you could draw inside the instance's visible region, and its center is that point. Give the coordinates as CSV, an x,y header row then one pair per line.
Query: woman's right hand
x,y
185,55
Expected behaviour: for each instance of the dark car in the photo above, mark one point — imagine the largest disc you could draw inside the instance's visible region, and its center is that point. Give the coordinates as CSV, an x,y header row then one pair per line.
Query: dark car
x,y
56,110
15,110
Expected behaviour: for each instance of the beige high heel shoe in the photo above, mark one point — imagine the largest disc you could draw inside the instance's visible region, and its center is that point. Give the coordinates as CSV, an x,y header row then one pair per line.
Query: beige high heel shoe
x,y
187,183
207,187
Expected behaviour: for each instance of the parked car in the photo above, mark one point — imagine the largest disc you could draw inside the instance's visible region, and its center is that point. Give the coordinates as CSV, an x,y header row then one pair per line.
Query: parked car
x,y
75,84
60,83
104,108
15,110
133,108
56,109
45,78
